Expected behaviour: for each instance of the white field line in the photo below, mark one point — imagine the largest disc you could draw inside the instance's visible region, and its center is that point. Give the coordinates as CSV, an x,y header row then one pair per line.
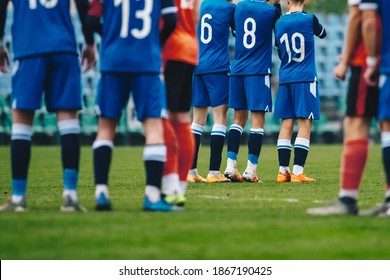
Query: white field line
x,y
291,200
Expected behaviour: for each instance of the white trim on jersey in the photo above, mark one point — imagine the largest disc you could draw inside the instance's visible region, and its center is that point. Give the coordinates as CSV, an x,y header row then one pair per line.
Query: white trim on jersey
x,y
368,6
353,2
168,10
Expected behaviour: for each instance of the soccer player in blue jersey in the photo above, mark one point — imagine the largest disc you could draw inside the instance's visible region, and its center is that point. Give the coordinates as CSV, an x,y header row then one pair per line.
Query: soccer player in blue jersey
x,y
298,96
211,83
131,61
46,60
250,81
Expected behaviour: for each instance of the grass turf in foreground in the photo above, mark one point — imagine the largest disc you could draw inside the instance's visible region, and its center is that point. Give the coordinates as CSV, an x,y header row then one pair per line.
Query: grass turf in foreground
x,y
221,221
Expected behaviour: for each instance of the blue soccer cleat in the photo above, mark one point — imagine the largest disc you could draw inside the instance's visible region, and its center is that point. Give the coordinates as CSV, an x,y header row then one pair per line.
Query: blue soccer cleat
x,y
160,206
103,203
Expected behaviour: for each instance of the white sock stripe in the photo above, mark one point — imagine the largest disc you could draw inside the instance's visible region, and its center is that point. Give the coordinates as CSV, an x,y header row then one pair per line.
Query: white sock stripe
x,y
301,147
257,131
385,139
219,127
100,143
21,131
69,127
219,133
155,152
197,128
387,194
284,142
237,127
18,128
288,147
349,193
302,143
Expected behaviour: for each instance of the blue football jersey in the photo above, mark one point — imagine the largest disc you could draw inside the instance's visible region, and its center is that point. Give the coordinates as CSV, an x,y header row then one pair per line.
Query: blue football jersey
x,y
294,35
216,16
383,7
42,26
131,38
254,21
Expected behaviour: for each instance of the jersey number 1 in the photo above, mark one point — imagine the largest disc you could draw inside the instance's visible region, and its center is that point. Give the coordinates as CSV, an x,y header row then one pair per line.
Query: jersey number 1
x,y
48,4
144,15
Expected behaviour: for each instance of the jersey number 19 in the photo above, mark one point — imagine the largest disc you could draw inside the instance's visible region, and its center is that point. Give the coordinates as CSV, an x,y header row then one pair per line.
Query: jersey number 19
x,y
48,4
300,51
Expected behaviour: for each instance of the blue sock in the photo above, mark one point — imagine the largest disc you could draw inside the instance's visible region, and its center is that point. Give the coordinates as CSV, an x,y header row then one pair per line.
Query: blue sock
x,y
301,150
284,151
154,158
70,151
102,153
217,140
70,154
385,139
234,137
20,157
254,144
197,131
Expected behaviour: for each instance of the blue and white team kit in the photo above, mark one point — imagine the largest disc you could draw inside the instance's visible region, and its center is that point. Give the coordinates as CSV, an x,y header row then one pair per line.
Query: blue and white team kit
x,y
298,95
131,59
45,54
384,80
250,83
211,75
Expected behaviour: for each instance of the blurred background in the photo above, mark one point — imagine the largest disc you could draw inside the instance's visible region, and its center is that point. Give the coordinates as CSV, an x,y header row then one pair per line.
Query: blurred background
x,y
331,13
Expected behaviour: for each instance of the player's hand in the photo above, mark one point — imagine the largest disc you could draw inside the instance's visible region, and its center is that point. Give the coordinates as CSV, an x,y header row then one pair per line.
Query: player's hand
x,y
4,60
340,70
88,58
371,76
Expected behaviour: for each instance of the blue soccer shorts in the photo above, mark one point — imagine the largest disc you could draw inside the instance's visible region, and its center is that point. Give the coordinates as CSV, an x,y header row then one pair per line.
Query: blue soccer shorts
x,y
297,100
384,98
114,92
251,93
210,90
57,76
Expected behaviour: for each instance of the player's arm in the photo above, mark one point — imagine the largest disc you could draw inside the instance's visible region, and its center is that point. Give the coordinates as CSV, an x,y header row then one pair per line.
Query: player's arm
x,y
196,11
353,36
278,12
89,55
4,59
168,12
318,29
369,34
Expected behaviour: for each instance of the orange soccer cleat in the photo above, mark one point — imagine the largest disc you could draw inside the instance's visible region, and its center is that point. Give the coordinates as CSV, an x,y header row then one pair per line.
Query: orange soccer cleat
x,y
283,178
302,178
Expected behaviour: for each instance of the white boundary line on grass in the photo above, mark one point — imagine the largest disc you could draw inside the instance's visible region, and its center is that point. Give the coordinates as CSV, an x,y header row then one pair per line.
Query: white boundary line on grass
x,y
291,200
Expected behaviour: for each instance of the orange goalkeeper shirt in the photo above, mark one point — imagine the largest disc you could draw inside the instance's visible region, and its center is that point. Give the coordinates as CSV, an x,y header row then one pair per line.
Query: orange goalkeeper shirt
x,y
182,45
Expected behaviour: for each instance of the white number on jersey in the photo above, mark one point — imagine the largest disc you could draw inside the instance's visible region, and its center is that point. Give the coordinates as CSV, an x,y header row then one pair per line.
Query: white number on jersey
x,y
48,4
187,4
204,25
144,15
299,51
249,33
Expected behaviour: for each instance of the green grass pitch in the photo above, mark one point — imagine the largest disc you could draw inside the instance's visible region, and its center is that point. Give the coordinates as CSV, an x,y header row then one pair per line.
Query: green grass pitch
x,y
221,221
